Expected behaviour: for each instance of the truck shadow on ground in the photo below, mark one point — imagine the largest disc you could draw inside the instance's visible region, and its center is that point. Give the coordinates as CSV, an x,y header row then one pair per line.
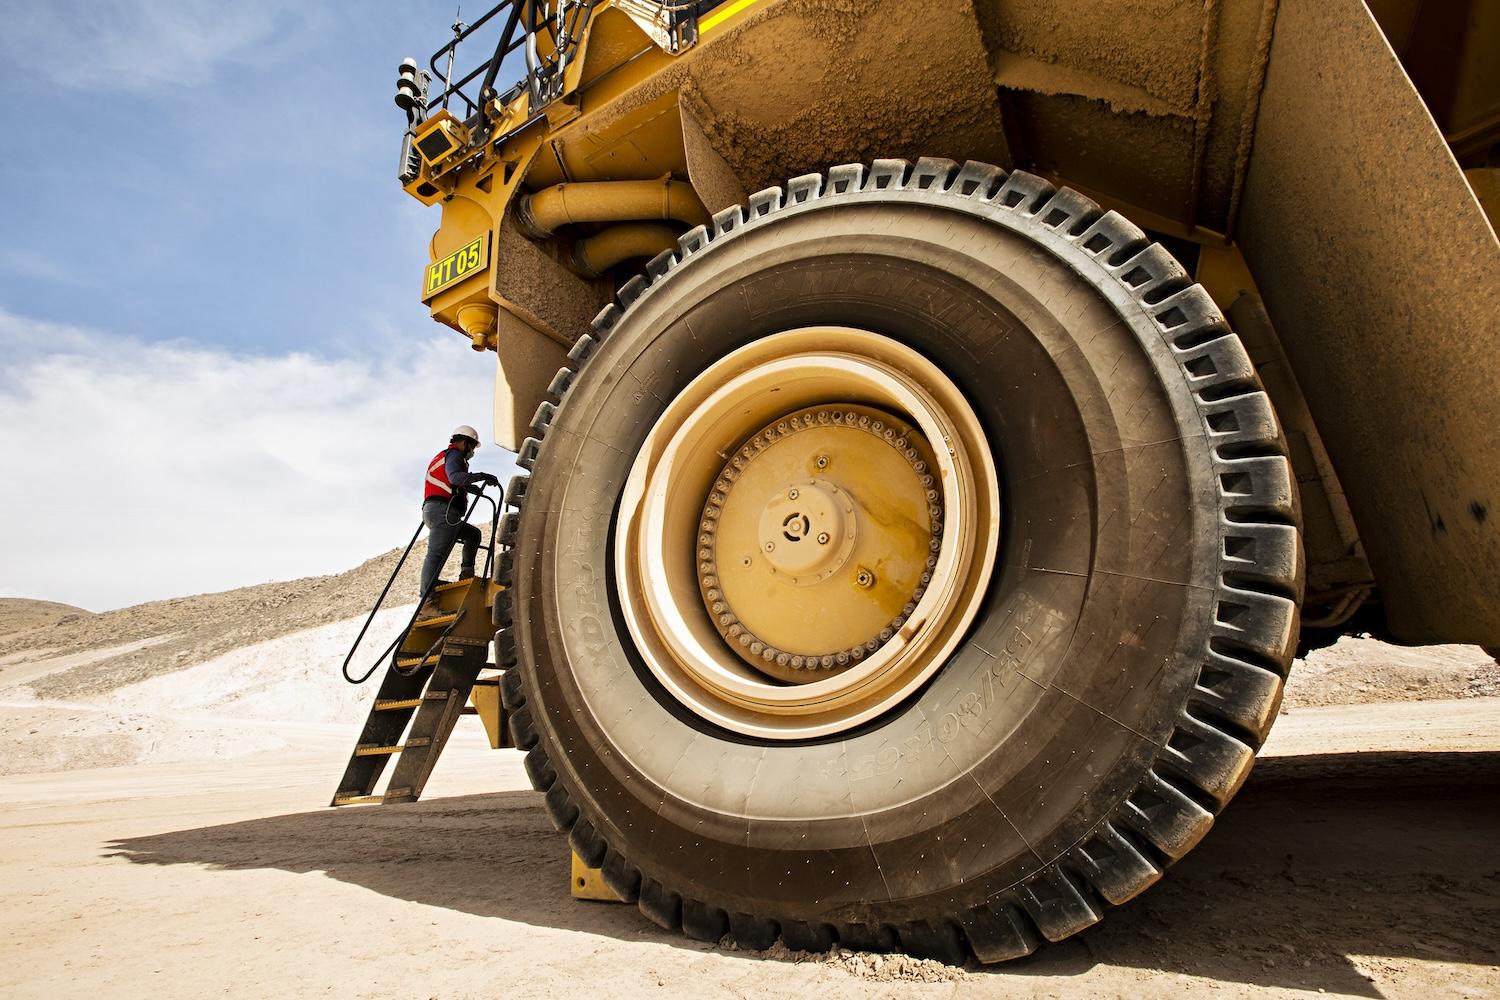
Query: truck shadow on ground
x,y
1324,868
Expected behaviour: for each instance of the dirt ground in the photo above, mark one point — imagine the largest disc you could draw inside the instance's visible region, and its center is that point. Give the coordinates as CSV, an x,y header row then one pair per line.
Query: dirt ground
x,y
164,832
1359,861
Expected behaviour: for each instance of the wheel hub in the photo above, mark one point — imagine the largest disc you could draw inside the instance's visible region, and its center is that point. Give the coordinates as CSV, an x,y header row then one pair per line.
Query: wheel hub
x,y
818,539
807,532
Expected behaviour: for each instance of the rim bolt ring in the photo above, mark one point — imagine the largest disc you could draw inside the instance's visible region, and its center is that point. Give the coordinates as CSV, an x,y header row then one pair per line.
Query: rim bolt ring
x,y
797,526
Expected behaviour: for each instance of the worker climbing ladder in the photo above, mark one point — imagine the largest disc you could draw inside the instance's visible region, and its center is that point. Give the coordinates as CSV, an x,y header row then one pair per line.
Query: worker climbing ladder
x,y
438,673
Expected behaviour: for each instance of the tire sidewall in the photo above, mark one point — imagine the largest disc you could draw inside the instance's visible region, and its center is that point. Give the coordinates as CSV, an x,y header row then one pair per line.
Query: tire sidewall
x,y
1089,627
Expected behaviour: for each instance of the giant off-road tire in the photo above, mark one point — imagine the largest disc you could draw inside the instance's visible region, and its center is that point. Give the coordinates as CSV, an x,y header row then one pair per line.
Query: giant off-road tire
x,y
1119,555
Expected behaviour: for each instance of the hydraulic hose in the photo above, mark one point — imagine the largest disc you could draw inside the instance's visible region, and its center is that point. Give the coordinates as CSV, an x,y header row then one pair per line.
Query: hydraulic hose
x,y
596,254
540,214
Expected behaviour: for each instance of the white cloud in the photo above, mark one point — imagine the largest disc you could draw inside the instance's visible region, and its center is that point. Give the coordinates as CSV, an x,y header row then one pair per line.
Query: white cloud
x,y
136,45
138,471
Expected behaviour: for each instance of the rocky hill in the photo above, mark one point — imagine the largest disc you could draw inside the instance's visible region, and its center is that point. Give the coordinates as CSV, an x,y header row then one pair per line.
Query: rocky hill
x,y
115,648
18,614
219,676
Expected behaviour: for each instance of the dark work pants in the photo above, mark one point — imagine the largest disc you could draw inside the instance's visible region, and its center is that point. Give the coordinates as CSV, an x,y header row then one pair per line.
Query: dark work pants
x,y
440,539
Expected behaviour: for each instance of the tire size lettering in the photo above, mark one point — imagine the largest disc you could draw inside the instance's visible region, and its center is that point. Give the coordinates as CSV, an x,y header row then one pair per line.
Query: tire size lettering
x,y
587,623
967,718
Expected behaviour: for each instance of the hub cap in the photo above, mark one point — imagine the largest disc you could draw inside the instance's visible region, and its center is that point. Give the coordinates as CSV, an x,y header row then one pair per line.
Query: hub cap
x,y
782,542
806,533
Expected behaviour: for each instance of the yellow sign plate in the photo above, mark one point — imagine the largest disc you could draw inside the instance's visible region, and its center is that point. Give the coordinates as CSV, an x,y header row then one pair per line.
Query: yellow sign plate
x,y
457,266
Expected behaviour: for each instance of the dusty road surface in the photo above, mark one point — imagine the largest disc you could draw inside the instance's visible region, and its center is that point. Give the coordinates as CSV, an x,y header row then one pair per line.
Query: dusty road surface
x,y
164,833
1360,860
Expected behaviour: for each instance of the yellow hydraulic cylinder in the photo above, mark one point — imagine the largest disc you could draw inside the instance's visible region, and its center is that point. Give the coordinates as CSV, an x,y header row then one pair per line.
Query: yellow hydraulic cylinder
x,y
597,254
539,214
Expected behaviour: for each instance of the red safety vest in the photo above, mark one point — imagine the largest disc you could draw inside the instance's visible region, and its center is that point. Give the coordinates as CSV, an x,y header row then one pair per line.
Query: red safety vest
x,y
437,484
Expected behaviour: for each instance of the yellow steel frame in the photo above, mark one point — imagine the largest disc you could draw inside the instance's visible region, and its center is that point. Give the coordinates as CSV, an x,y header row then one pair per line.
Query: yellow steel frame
x,y
614,57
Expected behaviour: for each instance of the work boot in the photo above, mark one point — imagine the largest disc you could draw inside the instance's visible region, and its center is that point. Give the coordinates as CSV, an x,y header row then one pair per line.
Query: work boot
x,y
466,573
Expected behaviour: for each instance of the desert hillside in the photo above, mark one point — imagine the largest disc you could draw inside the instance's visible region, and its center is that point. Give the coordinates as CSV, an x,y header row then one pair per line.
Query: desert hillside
x,y
214,676
18,614
105,651
225,675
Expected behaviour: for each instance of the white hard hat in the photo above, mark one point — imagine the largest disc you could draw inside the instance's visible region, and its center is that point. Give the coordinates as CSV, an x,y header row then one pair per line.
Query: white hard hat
x,y
464,430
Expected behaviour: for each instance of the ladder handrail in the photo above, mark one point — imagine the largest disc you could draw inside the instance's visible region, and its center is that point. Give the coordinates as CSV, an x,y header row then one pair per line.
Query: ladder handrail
x,y
395,645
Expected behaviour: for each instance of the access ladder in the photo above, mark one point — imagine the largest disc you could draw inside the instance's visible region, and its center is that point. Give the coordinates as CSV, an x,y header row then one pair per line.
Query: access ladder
x,y
438,670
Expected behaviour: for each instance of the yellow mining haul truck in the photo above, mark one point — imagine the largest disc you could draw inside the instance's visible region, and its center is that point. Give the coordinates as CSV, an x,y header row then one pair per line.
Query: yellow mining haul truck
x,y
945,420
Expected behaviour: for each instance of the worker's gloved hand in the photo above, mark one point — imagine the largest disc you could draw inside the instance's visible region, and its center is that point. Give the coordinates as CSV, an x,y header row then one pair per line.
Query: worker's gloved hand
x,y
487,479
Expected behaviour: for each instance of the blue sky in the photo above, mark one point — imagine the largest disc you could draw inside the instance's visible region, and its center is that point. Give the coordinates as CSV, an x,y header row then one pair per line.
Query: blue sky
x,y
210,332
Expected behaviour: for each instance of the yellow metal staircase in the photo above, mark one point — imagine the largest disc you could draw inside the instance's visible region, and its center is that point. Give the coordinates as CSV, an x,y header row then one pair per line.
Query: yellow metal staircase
x,y
439,668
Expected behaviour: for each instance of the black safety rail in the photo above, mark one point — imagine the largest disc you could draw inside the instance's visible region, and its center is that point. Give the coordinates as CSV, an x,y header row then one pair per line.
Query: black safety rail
x,y
523,25
548,34
394,649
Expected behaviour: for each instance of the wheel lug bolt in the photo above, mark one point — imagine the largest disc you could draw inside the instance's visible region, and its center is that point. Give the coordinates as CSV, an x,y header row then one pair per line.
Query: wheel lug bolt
x,y
821,461
822,538
865,579
792,493
770,546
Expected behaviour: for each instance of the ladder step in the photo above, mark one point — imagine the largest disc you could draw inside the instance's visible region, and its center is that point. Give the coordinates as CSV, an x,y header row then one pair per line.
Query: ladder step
x,y
372,750
439,671
486,682
456,584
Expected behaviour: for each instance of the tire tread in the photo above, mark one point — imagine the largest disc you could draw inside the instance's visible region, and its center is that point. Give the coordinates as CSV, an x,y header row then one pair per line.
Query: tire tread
x,y
1227,714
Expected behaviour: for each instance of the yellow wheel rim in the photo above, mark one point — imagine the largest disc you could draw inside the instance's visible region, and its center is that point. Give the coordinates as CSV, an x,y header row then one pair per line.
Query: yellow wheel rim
x,y
807,532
